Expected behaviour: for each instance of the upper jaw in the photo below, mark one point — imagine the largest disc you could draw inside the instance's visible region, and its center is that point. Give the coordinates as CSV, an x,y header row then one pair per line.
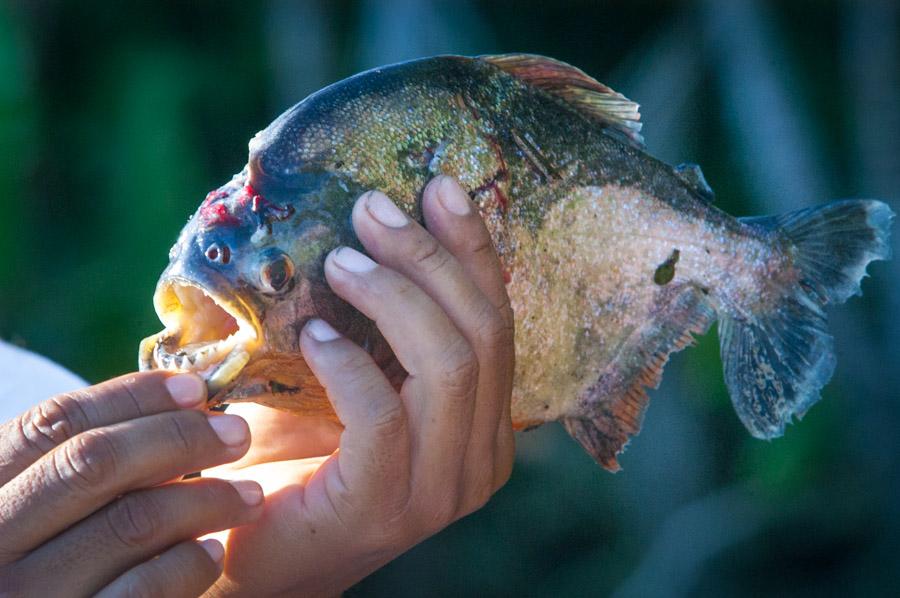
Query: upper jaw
x,y
204,333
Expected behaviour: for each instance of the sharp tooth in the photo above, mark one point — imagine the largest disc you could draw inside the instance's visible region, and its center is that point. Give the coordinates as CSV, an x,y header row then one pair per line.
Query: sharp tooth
x,y
146,352
228,369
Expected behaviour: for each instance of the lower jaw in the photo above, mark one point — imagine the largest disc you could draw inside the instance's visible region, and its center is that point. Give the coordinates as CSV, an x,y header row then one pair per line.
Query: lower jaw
x,y
153,356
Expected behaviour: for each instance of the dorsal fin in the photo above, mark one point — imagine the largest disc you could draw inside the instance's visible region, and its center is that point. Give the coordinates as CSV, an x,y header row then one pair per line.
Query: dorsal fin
x,y
692,175
586,94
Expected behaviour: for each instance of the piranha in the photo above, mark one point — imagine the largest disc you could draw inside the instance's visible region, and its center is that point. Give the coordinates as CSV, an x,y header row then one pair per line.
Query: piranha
x,y
614,259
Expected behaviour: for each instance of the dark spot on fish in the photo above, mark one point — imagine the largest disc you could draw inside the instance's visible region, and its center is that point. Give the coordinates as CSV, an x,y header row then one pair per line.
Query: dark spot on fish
x,y
225,254
546,406
338,165
665,272
706,249
704,290
278,387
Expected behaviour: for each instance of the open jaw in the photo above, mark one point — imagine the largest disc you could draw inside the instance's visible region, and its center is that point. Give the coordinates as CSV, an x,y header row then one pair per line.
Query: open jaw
x,y
204,334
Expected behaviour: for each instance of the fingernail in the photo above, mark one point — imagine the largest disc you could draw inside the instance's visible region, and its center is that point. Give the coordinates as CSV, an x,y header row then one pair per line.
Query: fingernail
x,y
351,260
187,390
384,211
251,493
214,549
452,197
321,330
230,429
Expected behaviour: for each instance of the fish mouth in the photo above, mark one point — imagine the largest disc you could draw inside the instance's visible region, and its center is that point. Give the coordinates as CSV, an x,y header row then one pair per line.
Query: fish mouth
x,y
205,333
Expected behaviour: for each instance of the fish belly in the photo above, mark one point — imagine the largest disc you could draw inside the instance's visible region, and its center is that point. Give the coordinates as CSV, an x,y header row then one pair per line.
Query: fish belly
x,y
595,321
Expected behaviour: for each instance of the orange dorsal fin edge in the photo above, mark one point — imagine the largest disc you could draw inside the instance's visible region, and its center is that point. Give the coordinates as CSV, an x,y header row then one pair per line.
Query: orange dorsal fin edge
x,y
581,91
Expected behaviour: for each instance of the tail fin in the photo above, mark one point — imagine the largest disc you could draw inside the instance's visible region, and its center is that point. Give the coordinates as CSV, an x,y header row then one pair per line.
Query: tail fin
x,y
776,362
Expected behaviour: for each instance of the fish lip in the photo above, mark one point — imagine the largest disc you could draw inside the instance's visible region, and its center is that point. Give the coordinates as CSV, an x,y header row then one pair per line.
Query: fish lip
x,y
208,359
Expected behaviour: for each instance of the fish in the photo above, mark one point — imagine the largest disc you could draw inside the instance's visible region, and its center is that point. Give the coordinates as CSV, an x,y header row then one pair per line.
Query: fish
x,y
613,259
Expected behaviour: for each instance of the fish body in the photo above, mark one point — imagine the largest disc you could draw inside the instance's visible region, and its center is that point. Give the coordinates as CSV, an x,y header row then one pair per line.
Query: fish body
x,y
613,258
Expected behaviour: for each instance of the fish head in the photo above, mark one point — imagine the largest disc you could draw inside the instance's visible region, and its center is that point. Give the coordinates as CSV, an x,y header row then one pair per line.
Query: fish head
x,y
244,277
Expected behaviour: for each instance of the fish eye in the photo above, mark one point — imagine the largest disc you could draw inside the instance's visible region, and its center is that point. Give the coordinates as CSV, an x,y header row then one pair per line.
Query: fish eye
x,y
277,273
215,253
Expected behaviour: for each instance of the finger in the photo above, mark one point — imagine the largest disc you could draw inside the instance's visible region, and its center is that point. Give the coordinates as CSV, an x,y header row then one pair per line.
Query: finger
x,y
139,526
374,447
400,309
91,469
446,207
399,243
279,435
443,369
455,222
39,430
184,571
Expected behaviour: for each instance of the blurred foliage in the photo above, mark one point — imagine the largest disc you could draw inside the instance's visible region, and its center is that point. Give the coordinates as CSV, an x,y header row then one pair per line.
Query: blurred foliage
x,y
115,120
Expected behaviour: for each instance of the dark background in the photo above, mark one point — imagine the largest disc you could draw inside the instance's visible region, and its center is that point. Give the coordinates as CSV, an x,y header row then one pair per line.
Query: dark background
x,y
115,122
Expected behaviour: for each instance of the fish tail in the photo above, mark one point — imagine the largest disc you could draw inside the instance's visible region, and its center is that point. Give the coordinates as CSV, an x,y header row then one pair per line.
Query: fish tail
x,y
778,354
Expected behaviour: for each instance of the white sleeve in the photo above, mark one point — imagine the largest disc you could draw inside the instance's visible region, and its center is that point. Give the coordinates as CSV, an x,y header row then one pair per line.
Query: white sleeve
x,y
26,379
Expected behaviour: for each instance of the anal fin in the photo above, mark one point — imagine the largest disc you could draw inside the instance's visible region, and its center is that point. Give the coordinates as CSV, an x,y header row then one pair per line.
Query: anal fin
x,y
613,407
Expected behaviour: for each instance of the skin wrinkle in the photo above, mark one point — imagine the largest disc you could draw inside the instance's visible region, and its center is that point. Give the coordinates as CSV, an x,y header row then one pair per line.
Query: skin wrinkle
x,y
127,387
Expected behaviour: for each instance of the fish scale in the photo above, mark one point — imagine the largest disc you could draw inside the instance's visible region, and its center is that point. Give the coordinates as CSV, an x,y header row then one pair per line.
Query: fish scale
x,y
613,259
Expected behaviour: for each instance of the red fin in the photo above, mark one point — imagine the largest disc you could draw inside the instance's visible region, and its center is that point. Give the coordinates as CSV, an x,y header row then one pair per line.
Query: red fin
x,y
586,94
614,406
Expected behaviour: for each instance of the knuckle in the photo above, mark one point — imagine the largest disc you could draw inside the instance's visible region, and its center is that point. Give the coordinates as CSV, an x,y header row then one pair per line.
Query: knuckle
x,y
176,431
359,373
389,420
482,243
495,333
53,422
459,373
135,520
128,388
86,461
428,255
356,364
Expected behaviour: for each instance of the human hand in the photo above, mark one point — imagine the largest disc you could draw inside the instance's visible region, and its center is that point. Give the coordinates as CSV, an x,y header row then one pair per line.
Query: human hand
x,y
88,496
410,462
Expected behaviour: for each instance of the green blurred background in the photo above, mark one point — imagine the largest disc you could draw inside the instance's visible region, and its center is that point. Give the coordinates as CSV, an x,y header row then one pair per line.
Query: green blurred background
x,y
116,119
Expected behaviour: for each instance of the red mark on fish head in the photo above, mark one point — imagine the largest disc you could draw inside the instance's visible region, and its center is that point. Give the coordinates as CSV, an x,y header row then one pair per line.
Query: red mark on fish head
x,y
215,211
217,214
214,195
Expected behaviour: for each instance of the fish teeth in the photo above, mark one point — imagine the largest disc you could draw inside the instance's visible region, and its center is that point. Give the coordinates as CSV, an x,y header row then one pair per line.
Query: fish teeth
x,y
146,352
227,370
